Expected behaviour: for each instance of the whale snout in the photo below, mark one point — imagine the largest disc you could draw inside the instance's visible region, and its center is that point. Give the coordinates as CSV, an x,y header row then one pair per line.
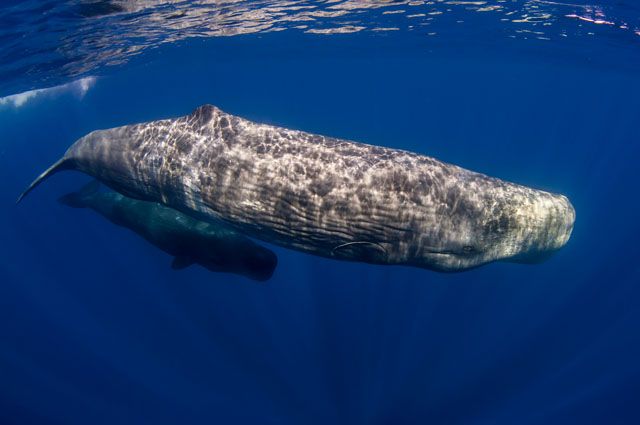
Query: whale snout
x,y
546,226
259,263
566,217
529,226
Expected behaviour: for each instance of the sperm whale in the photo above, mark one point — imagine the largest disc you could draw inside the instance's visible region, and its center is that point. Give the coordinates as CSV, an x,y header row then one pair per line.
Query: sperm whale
x,y
214,246
321,195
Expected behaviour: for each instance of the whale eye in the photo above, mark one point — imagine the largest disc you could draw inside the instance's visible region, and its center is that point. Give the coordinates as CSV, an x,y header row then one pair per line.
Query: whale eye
x,y
468,249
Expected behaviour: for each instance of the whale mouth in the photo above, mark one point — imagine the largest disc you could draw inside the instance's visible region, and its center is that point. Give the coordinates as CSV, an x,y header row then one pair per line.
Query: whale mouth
x,y
466,251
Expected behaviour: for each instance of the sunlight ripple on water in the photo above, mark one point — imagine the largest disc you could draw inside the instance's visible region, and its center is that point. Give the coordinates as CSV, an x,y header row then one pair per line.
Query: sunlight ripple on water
x,y
78,38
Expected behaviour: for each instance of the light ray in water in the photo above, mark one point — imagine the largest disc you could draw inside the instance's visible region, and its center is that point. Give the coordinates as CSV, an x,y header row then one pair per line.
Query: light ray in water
x,y
78,87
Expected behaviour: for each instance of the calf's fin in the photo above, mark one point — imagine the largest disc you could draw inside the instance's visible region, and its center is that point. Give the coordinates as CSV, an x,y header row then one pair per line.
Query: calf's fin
x,y
78,199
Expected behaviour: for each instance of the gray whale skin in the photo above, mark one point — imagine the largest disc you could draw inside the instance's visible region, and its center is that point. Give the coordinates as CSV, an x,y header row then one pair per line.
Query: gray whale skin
x,y
216,247
321,195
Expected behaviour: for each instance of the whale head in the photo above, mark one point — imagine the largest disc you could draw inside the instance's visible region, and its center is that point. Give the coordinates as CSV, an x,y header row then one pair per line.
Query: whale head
x,y
222,249
503,222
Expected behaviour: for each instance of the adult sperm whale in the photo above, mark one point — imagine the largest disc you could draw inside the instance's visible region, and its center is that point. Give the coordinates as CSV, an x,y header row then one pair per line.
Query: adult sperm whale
x,y
321,195
213,246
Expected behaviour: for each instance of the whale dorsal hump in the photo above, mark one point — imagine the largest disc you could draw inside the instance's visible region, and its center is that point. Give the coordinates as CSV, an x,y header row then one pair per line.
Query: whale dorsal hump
x,y
204,113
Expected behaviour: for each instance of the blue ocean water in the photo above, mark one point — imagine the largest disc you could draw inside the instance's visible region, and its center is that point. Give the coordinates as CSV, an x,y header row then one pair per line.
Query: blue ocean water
x,y
97,328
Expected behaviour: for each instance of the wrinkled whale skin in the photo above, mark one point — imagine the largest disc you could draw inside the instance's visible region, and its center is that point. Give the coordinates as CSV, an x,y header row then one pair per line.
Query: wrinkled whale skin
x,y
322,195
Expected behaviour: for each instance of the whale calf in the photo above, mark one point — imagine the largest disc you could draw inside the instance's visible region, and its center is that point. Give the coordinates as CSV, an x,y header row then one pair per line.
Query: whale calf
x,y
322,195
213,246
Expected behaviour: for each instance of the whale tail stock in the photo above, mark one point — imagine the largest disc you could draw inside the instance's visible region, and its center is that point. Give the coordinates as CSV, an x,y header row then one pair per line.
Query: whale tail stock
x,y
78,199
60,165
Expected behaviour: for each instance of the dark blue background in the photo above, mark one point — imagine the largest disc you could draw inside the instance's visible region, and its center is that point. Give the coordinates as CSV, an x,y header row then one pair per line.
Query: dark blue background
x,y
96,328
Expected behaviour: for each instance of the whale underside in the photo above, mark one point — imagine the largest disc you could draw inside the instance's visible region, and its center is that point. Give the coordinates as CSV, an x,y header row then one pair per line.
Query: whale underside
x,y
325,196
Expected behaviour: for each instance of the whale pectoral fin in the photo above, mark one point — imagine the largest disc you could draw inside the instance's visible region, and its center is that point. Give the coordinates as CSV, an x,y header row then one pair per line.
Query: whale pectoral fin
x,y
180,263
371,252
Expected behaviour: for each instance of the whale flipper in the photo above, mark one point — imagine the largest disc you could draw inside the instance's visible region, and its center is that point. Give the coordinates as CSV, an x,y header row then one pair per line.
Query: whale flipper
x,y
78,199
369,251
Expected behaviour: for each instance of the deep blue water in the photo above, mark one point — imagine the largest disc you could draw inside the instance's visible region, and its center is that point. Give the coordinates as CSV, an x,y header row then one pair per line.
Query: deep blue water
x,y
96,327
